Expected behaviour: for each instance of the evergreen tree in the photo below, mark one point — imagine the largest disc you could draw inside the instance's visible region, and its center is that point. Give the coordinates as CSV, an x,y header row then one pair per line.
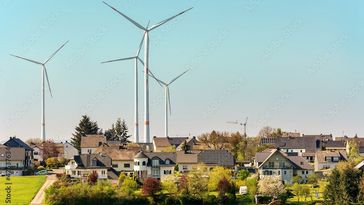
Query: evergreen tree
x,y
118,132
85,127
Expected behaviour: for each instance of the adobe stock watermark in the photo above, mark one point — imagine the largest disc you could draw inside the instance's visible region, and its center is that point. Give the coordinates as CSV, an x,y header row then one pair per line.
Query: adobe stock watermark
x,y
8,183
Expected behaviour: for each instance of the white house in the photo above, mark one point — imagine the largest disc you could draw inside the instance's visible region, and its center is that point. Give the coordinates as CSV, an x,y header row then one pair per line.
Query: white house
x,y
69,150
83,165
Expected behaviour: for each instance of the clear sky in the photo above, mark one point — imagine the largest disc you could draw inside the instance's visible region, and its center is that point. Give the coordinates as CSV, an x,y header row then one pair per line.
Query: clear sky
x,y
297,65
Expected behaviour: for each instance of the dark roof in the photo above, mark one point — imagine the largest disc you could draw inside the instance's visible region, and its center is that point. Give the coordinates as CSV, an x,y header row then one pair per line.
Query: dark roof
x,y
261,156
216,157
168,141
85,161
297,161
334,144
16,142
163,156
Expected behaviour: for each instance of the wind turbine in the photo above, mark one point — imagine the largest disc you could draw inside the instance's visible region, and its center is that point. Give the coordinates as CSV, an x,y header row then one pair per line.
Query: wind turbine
x,y
167,98
136,93
146,31
44,74
244,124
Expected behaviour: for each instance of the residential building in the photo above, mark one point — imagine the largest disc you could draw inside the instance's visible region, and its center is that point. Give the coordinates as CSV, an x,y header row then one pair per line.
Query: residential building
x,y
122,159
12,159
69,151
28,154
328,159
161,144
274,162
334,145
90,143
154,164
83,165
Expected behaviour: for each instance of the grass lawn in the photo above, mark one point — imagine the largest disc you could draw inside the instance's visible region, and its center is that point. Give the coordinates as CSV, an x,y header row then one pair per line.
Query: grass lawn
x,y
24,188
316,193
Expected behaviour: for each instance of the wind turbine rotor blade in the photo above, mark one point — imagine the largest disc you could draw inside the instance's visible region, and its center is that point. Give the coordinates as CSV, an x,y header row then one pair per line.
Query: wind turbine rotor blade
x,y
169,101
49,85
125,16
161,83
119,59
168,19
140,45
178,77
33,61
55,52
140,60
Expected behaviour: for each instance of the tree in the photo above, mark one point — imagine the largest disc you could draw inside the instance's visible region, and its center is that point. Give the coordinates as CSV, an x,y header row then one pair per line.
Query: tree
x,y
269,132
214,140
49,149
151,187
237,145
34,141
242,174
297,179
118,132
85,127
122,177
271,186
129,186
312,179
197,182
216,175
182,185
353,149
92,178
52,162
225,186
169,184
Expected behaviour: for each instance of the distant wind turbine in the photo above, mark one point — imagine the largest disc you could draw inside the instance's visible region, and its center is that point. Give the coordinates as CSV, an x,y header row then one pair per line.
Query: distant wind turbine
x,y
136,58
146,63
44,74
167,96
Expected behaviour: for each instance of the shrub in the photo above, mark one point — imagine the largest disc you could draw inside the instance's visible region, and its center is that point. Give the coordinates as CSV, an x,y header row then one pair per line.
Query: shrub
x,y
151,187
92,178
216,175
225,186
129,186
242,174
172,201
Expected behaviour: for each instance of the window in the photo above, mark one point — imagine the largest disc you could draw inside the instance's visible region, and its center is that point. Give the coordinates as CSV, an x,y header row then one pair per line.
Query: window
x,y
271,164
303,172
73,172
94,163
89,151
184,167
306,172
279,172
126,165
167,161
144,163
115,165
155,172
285,172
35,153
155,162
166,172
103,172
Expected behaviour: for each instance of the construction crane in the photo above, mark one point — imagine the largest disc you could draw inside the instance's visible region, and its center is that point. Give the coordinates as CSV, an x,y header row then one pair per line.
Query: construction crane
x,y
243,124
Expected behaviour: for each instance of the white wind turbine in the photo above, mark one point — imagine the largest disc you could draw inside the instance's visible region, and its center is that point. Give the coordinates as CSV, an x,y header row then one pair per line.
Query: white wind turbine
x,y
136,93
44,74
146,64
167,98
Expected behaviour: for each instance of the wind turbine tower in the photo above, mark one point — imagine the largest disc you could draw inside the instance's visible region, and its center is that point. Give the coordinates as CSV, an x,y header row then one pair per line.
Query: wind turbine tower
x,y
44,75
146,31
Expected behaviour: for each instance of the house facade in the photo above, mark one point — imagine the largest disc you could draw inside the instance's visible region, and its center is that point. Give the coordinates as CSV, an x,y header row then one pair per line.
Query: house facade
x,y
328,159
90,143
83,165
12,160
69,151
14,142
274,162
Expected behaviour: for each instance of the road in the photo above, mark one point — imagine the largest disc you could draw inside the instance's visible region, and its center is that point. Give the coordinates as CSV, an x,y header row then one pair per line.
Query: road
x,y
39,198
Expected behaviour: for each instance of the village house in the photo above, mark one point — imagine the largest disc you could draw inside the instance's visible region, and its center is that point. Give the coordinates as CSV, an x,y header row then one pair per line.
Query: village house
x,y
274,162
83,165
154,164
69,151
328,159
28,154
90,143
122,159
12,159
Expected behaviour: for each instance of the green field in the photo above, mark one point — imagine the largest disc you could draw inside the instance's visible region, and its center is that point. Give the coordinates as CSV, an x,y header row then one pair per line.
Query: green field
x,y
24,188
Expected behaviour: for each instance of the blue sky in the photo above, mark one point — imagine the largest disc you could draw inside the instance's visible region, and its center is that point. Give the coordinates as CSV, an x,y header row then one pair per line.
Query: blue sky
x,y
290,64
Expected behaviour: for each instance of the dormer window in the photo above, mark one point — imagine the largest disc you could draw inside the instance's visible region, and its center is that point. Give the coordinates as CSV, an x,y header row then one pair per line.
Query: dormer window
x,y
167,161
